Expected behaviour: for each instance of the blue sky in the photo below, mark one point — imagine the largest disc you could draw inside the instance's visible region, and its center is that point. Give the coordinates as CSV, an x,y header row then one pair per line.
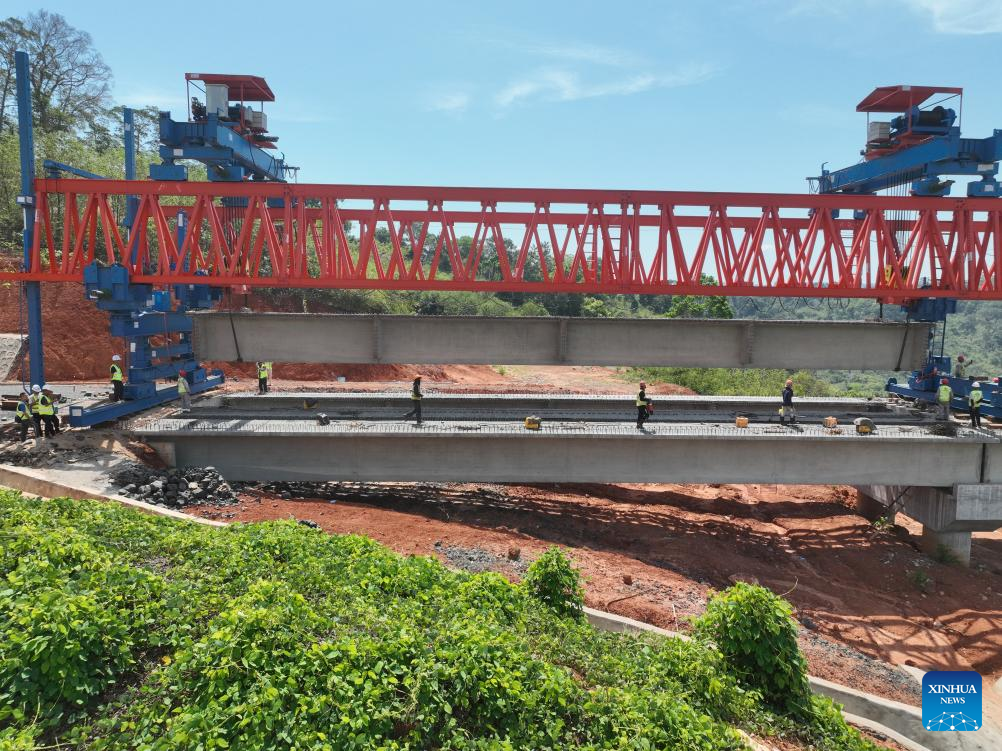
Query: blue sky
x,y
742,96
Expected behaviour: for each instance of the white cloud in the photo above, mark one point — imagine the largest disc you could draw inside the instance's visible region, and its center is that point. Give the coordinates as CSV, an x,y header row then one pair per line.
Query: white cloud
x,y
586,53
452,101
164,100
961,16
565,86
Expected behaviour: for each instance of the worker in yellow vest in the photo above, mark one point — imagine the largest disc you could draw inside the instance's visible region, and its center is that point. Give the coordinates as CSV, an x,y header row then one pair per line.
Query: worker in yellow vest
x,y
643,406
117,384
36,418
944,396
184,391
974,400
416,397
262,378
270,367
47,412
53,422
22,417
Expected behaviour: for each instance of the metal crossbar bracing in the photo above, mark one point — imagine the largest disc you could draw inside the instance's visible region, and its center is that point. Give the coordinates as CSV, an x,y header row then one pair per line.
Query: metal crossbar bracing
x,y
428,238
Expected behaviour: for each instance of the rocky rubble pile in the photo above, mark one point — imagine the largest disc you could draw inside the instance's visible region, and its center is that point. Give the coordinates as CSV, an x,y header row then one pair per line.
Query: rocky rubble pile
x,y
46,454
174,488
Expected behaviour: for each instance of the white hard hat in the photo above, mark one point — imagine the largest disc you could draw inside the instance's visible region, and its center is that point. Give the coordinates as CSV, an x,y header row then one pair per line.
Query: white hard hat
x,y
36,388
976,385
116,358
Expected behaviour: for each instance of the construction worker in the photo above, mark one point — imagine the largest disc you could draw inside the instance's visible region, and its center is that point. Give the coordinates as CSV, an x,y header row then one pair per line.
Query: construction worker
x,y
52,424
960,369
118,387
270,367
22,417
262,378
184,391
643,406
788,410
416,396
943,397
974,400
46,412
928,377
33,405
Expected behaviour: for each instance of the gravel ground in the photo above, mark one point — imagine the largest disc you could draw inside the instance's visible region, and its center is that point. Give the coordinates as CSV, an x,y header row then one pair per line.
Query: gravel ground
x,y
478,560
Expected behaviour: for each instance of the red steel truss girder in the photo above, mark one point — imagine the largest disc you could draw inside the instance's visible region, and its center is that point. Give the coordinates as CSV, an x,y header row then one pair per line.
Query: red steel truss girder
x,y
648,242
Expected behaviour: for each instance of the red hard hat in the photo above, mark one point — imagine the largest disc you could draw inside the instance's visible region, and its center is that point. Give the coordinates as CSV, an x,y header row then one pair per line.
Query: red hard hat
x,y
945,381
181,372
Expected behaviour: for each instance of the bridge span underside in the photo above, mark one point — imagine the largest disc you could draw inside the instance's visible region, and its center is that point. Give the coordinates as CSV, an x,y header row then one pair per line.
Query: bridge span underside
x,y
321,338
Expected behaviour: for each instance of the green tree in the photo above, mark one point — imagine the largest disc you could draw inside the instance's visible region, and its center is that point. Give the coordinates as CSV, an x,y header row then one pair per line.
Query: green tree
x,y
688,306
70,82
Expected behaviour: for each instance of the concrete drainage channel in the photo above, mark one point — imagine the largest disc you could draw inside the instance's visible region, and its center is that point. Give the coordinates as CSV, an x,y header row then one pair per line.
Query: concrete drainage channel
x,y
899,722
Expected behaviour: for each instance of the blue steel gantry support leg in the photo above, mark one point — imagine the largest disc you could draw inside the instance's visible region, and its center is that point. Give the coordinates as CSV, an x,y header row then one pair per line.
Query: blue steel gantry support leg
x,y
32,290
131,202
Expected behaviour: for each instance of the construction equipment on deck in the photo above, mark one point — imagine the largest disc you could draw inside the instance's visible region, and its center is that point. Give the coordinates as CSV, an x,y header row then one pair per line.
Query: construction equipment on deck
x,y
864,426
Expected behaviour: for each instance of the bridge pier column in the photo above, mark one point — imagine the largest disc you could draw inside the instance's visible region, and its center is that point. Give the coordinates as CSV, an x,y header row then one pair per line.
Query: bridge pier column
x,y
948,515
870,508
947,545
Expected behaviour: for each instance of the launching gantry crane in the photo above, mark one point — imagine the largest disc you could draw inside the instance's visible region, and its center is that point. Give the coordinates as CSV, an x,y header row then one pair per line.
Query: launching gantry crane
x,y
915,150
230,137
185,241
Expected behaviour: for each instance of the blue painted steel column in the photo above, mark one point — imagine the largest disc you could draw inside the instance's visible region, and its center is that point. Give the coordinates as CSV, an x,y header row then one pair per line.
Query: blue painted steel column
x,y
131,202
32,290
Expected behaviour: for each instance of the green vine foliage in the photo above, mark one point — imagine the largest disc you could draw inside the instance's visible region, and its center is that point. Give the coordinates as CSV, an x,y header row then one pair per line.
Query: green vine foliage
x,y
120,630
553,580
756,632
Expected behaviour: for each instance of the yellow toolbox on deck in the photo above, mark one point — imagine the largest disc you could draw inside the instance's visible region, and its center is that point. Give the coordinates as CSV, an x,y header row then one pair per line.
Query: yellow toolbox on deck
x,y
532,422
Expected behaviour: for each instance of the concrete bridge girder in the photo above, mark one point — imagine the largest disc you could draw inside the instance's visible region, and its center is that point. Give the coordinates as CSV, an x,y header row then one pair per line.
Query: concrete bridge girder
x,y
368,339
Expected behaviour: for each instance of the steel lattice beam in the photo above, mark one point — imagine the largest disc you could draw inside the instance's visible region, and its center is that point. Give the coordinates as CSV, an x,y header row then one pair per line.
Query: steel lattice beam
x,y
645,242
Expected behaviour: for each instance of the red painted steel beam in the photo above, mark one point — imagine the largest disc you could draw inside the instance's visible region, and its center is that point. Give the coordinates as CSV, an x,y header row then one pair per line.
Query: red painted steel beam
x,y
555,240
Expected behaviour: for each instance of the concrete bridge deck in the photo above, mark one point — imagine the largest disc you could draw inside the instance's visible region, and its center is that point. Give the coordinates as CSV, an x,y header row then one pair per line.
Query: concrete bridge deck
x,y
561,407
485,451
321,338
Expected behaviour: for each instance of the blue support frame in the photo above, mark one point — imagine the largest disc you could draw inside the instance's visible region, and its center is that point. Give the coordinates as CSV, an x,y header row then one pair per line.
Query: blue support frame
x,y
922,165
227,155
139,312
55,169
131,202
26,141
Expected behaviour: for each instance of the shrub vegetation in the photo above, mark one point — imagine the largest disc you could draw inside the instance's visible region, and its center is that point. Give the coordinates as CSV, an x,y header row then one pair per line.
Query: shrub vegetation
x,y
120,630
